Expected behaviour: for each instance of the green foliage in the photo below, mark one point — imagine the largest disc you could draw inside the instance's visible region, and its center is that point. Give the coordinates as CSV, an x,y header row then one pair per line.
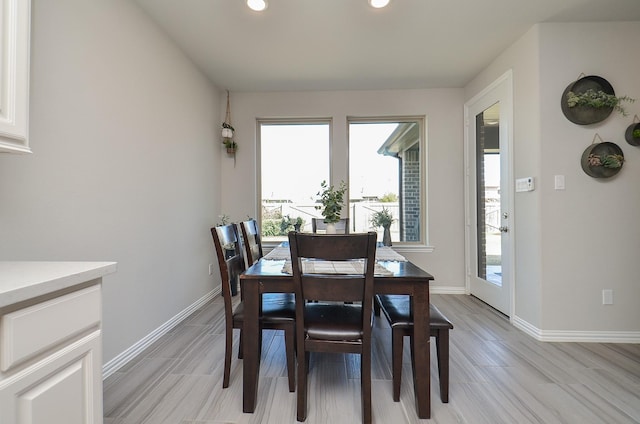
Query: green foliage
x,y
389,198
598,100
227,125
229,143
608,161
383,218
288,224
636,133
332,200
271,227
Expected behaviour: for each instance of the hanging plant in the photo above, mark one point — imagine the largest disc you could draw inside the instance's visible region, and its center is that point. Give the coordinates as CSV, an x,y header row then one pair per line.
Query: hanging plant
x,y
231,145
228,130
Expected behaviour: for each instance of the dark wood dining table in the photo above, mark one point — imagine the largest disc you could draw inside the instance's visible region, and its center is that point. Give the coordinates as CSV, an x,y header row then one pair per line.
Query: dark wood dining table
x,y
266,276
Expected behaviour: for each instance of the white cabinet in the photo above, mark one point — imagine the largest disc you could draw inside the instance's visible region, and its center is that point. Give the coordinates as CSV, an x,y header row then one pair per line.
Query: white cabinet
x,y
51,344
15,24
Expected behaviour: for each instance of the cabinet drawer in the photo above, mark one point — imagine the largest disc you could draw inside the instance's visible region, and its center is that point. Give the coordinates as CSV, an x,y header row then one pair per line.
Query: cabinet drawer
x,y
30,331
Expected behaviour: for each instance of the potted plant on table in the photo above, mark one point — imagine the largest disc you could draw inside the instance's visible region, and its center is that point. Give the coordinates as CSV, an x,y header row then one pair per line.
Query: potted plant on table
x,y
383,218
332,200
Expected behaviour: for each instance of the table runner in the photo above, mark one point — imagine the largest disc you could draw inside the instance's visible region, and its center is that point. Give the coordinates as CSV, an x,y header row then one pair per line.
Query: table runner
x,y
335,267
383,253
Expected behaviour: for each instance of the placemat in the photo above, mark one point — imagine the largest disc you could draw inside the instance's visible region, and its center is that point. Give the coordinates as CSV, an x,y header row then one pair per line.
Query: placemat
x,y
335,267
383,253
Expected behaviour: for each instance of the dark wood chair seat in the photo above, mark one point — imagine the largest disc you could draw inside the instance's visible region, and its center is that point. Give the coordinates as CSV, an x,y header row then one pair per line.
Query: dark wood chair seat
x,y
277,310
397,310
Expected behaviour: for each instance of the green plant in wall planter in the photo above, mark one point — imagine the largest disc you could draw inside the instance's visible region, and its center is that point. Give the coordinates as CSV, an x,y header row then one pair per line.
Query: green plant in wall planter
x,y
602,160
608,161
632,134
598,99
591,99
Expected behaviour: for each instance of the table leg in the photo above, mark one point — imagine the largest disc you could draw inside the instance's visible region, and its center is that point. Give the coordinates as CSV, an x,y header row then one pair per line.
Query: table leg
x,y
251,349
421,351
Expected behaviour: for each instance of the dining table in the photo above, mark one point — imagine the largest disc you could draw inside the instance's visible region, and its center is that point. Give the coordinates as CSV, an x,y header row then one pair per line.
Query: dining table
x,y
271,275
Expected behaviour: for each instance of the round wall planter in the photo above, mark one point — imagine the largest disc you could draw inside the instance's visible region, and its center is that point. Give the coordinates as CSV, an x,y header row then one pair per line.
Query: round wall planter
x,y
601,150
585,115
632,139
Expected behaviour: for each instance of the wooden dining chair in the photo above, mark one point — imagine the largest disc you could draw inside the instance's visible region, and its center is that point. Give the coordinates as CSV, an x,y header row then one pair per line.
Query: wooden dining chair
x,y
277,312
397,310
251,241
318,224
330,325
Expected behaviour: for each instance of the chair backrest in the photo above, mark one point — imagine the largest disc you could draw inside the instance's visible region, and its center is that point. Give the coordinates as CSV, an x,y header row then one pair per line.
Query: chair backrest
x,y
230,261
251,241
354,286
318,224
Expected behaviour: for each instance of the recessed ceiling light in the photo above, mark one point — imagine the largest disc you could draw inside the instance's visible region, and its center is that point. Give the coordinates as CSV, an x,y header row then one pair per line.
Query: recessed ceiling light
x,y
257,5
378,3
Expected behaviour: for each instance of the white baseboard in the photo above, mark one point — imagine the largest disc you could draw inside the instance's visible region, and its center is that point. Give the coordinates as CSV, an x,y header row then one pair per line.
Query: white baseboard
x,y
126,356
576,336
447,290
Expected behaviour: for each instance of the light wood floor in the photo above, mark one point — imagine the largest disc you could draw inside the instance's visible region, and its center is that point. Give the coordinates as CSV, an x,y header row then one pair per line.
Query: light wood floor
x,y
498,375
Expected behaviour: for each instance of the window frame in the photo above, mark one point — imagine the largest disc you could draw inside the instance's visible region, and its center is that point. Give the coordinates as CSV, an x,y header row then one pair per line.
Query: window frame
x,y
421,121
283,121
422,244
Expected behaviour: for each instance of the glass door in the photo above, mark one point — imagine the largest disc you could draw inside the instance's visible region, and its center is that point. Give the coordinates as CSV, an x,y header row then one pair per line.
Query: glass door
x,y
488,234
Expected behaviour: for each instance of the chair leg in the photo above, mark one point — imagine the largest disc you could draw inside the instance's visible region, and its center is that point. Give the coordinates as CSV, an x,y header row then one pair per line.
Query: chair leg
x,y
289,342
228,344
240,346
365,378
302,385
442,349
396,361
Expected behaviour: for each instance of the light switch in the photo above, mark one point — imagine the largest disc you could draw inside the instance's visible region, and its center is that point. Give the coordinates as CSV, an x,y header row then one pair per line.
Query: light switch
x,y
558,182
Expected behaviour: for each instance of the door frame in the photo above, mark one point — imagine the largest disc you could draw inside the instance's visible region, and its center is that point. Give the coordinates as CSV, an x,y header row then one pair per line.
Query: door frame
x,y
507,183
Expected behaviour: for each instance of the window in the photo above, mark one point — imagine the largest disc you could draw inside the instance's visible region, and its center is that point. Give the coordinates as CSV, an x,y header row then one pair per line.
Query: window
x,y
294,159
385,172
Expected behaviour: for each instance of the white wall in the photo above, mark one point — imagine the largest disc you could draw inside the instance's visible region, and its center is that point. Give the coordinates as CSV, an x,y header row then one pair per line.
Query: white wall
x,y
591,231
443,111
571,244
522,59
124,131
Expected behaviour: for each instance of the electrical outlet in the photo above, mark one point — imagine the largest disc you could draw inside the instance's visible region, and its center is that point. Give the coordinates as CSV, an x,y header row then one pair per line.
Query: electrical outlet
x,y
210,269
607,297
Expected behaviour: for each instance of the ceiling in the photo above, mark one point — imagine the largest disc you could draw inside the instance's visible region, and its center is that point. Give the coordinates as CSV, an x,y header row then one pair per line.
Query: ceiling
x,y
299,45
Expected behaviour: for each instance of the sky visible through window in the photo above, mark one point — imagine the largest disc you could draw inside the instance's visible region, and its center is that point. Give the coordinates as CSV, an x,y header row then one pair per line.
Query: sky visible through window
x,y
295,160
371,174
292,157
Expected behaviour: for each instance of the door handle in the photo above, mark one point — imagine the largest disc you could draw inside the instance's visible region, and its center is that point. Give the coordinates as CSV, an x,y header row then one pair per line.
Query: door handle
x,y
503,229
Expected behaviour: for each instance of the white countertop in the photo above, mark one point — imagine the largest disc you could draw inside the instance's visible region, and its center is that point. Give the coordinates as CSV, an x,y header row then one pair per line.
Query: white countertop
x,y
25,280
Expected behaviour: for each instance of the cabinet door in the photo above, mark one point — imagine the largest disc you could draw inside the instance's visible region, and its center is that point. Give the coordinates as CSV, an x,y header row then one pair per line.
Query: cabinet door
x,y
15,18
64,388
